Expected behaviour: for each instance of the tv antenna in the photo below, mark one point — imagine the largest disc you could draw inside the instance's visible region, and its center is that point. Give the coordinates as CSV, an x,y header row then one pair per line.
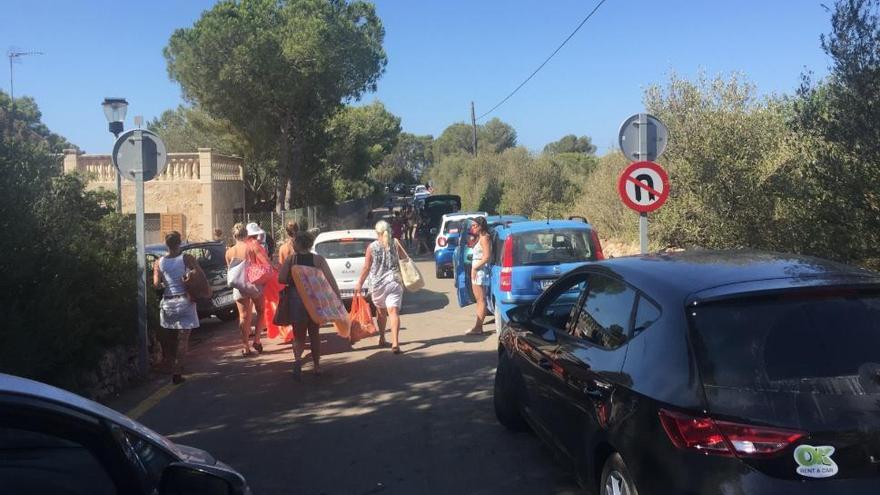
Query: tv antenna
x,y
14,56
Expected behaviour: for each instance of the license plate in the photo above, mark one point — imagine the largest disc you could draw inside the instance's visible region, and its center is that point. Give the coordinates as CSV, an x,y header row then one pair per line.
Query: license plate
x,y
546,283
223,300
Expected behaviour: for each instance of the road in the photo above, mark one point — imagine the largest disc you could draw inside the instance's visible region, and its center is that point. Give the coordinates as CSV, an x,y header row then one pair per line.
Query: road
x,y
373,422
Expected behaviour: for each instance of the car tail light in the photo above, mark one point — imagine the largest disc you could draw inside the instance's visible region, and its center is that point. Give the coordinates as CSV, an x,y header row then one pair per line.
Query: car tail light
x,y
507,265
724,438
597,246
441,241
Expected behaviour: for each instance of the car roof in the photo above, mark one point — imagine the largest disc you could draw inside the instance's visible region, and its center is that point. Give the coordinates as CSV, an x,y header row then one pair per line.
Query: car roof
x,y
458,215
506,218
708,275
335,235
537,225
16,385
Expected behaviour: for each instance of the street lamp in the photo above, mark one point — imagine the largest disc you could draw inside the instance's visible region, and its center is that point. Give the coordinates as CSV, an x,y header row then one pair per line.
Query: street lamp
x,y
114,110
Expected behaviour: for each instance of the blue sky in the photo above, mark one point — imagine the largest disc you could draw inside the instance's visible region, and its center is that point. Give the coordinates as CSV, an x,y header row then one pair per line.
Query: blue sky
x,y
442,55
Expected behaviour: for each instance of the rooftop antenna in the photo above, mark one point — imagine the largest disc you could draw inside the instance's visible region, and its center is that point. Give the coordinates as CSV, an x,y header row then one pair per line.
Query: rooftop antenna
x,y
14,55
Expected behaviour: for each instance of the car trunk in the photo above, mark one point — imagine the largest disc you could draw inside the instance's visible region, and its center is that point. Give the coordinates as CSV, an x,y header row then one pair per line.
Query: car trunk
x,y
806,361
345,257
543,256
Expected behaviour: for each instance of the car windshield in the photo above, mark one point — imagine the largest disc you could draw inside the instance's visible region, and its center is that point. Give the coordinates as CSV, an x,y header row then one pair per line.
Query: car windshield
x,y
802,343
209,257
551,246
343,248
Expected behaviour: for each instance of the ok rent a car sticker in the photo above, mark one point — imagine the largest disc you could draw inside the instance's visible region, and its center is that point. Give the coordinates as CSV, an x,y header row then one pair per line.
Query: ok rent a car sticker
x,y
815,462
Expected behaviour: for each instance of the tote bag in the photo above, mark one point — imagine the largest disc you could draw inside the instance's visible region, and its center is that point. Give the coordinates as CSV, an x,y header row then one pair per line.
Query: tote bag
x,y
236,277
409,274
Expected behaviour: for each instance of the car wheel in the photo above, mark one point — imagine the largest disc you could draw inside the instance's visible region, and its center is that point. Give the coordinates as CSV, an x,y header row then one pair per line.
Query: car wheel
x,y
616,479
441,273
228,315
505,396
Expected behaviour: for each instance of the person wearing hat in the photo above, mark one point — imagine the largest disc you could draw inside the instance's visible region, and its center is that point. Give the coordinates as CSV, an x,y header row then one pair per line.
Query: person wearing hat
x,y
247,247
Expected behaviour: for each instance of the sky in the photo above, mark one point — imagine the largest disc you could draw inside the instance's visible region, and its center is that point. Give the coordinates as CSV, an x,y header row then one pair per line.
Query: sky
x,y
441,56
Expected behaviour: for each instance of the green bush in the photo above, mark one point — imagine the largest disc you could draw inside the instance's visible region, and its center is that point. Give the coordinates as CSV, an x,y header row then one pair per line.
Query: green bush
x,y
68,269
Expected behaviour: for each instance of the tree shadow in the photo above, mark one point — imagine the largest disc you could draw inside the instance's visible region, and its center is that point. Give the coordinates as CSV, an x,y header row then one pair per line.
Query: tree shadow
x,y
392,423
423,301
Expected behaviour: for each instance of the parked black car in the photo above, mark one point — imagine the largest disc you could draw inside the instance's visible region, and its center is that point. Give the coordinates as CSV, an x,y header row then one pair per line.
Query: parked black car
x,y
702,373
53,441
211,256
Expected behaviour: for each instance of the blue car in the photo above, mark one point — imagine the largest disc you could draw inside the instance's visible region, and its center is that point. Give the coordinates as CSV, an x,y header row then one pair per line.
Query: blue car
x,y
527,257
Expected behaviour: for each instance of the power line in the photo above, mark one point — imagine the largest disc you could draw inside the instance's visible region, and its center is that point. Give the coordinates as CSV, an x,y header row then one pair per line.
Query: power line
x,y
545,61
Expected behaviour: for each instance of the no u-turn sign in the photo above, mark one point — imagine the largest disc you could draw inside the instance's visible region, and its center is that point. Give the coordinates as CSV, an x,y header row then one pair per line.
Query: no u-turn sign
x,y
643,186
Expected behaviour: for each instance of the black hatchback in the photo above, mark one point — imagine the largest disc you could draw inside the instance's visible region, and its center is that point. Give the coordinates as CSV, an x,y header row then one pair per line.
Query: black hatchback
x,y
702,372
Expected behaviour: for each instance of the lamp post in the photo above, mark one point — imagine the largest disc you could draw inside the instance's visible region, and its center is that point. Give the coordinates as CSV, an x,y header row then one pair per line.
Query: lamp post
x,y
114,110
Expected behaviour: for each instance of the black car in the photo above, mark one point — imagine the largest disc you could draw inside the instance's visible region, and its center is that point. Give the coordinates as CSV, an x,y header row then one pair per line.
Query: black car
x,y
702,372
211,256
52,441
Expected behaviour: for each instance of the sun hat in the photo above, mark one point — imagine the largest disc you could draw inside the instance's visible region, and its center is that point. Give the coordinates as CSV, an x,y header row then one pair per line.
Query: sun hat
x,y
254,229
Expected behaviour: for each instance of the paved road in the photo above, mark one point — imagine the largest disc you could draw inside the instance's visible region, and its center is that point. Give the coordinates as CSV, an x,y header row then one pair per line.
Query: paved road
x,y
374,422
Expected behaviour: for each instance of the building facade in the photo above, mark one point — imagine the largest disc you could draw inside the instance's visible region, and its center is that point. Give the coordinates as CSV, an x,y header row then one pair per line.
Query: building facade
x,y
196,194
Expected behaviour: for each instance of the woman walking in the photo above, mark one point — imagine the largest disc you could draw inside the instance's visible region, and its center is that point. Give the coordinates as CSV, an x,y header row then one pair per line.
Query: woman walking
x,y
247,247
301,243
382,264
479,270
286,249
177,313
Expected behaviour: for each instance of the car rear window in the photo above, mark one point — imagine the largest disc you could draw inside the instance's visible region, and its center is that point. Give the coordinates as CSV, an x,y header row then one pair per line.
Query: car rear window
x,y
343,248
805,343
209,257
452,227
549,247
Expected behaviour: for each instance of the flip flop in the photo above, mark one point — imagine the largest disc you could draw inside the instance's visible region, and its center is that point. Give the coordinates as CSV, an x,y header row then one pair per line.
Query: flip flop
x,y
259,347
395,349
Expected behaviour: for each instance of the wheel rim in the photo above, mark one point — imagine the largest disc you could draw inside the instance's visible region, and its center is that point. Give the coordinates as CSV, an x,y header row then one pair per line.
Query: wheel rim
x,y
616,484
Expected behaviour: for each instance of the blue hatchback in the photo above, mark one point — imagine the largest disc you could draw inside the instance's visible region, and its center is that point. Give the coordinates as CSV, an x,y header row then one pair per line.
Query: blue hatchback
x,y
527,257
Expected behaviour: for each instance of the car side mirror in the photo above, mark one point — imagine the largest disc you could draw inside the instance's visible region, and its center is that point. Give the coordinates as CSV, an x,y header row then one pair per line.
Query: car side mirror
x,y
519,314
181,478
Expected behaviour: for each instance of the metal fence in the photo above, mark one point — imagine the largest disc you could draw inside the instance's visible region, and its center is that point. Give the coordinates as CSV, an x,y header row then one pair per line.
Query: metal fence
x,y
348,215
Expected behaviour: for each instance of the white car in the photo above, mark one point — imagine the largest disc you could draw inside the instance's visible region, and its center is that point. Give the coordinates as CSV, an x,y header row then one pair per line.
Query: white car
x,y
420,193
344,251
451,224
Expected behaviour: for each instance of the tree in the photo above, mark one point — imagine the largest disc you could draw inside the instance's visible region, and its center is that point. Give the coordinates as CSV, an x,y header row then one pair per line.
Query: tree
x,y
571,144
457,138
278,69
495,136
28,125
359,138
407,161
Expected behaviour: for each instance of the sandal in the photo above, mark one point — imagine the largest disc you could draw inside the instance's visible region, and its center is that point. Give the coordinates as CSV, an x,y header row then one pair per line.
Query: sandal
x,y
246,353
395,349
259,347
474,331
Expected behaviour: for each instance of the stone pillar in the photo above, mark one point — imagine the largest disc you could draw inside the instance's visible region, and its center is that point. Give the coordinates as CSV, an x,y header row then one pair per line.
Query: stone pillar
x,y
206,193
71,160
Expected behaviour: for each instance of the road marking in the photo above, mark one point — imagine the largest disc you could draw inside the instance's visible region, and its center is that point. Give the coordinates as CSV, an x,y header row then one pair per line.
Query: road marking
x,y
157,396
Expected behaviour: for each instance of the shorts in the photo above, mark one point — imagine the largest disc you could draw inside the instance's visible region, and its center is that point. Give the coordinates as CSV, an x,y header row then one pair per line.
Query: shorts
x,y
480,277
388,295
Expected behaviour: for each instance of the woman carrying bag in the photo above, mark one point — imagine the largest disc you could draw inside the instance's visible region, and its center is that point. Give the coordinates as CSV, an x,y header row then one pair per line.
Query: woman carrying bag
x,y
306,303
382,265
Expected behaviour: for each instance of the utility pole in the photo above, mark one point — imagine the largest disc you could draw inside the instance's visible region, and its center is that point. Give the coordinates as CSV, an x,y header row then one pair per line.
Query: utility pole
x,y
13,56
474,124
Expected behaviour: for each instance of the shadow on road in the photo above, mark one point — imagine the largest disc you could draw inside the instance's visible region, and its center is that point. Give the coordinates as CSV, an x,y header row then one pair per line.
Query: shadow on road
x,y
393,423
423,301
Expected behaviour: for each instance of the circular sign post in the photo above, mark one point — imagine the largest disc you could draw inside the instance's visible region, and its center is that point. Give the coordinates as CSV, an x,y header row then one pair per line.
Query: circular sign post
x,y
140,155
643,186
643,137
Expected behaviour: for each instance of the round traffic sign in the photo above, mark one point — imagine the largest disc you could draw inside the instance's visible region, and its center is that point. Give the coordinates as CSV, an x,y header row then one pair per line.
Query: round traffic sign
x,y
643,137
643,186
147,154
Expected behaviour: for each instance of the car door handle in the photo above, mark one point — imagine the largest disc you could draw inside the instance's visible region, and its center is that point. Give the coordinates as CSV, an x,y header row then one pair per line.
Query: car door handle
x,y
545,363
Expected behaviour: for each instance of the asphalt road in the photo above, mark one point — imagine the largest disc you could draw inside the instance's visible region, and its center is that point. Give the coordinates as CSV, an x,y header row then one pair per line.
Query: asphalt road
x,y
416,423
